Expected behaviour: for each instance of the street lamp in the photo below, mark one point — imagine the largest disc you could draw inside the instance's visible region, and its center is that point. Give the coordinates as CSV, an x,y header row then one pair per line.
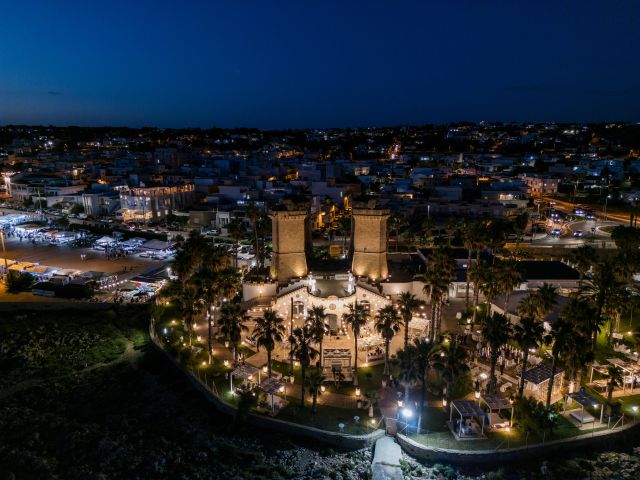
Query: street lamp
x,y
593,427
634,408
605,206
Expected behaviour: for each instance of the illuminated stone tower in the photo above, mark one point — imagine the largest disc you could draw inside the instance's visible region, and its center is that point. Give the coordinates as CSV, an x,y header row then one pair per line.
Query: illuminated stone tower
x,y
370,243
289,230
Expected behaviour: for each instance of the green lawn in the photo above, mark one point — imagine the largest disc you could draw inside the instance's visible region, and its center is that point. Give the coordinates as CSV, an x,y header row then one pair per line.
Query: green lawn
x,y
499,439
327,417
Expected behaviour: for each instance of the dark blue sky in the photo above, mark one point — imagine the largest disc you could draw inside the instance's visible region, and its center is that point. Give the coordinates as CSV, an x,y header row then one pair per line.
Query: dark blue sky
x,y
274,64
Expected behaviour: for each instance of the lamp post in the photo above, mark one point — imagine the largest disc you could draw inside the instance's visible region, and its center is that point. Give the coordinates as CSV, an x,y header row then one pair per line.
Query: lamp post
x,y
605,206
634,409
593,426
4,253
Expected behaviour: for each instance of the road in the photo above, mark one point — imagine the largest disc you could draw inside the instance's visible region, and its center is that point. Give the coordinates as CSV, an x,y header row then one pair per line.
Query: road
x,y
568,207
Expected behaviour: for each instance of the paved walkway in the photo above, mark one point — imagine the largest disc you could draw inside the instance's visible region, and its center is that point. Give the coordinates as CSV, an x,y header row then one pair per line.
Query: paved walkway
x,y
386,460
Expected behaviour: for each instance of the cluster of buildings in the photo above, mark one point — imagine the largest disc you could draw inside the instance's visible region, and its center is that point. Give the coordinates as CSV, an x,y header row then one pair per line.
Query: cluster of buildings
x,y
211,176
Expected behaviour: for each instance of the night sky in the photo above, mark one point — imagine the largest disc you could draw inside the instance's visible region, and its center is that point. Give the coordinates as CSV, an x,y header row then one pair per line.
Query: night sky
x,y
297,64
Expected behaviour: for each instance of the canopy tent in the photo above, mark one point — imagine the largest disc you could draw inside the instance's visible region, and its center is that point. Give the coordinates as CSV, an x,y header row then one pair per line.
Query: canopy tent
x,y
585,400
495,403
631,371
157,245
244,371
271,386
105,241
536,382
467,409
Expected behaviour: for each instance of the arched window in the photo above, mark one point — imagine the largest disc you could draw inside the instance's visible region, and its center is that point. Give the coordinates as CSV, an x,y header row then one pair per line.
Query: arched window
x,y
298,308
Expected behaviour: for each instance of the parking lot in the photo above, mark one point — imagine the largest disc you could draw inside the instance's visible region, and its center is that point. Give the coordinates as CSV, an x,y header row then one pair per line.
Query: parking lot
x,y
65,256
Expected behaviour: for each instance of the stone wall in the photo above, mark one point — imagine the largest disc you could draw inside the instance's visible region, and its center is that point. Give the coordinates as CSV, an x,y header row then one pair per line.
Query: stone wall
x,y
370,243
495,457
288,233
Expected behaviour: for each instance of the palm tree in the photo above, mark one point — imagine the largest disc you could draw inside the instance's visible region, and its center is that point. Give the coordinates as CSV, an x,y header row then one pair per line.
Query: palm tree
x,y
207,278
356,318
496,331
232,324
562,335
582,258
427,355
301,349
439,275
469,240
189,303
407,368
546,297
452,366
488,283
387,324
597,289
228,283
258,222
268,332
407,304
237,232
508,277
616,377
527,334
317,317
451,227
313,383
396,224
189,256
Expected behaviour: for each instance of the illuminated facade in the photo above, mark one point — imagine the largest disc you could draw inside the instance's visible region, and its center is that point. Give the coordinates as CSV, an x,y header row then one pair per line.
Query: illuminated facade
x,y
288,234
370,243
151,204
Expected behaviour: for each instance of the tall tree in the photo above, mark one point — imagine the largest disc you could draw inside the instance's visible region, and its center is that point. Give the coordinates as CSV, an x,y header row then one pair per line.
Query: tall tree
x,y
452,366
387,324
527,334
616,377
406,368
356,318
302,350
598,289
562,335
237,232
407,304
582,258
545,298
313,383
317,317
232,323
508,277
470,240
427,356
207,279
496,331
439,275
268,332
188,301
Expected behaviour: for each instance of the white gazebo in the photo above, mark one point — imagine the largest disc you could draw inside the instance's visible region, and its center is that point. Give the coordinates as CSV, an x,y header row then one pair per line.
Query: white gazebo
x,y
245,372
466,428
